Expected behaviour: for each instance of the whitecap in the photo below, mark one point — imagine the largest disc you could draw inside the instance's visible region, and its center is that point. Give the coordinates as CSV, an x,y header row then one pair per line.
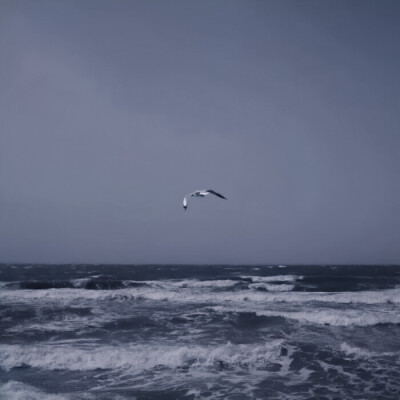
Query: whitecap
x,y
80,283
139,357
193,283
13,390
323,316
271,287
363,353
200,295
274,278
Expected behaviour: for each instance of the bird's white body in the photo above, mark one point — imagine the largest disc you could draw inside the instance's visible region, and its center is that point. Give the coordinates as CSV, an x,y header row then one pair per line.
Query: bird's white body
x,y
200,193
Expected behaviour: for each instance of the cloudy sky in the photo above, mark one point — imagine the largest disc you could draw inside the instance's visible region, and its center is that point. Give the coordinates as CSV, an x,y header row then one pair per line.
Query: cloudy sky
x,y
111,111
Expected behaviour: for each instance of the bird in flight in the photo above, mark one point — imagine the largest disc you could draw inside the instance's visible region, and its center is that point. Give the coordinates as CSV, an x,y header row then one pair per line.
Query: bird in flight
x,y
200,193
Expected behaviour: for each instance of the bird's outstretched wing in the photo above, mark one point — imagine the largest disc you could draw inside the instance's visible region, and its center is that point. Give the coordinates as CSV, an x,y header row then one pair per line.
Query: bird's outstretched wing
x,y
217,194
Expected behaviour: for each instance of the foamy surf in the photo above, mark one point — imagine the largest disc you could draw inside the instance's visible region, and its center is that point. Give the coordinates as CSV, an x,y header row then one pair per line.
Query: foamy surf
x,y
333,317
180,295
355,351
273,278
13,390
139,357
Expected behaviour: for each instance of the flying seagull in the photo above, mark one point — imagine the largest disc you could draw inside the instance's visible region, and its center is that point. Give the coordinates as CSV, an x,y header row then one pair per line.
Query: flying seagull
x,y
200,193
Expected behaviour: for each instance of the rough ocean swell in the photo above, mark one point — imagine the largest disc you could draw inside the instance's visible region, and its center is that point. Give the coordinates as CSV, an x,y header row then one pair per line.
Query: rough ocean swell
x,y
199,332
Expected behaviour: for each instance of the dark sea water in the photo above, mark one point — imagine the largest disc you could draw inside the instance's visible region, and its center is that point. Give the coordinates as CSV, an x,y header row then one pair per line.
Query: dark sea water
x,y
199,332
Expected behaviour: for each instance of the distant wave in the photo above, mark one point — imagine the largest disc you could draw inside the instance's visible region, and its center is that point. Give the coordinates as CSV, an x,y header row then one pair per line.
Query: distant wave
x,y
277,283
193,283
100,282
338,317
202,295
275,278
334,317
269,287
142,357
93,283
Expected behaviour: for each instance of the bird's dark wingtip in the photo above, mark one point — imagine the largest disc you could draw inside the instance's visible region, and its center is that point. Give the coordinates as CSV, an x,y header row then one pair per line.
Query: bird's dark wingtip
x,y
217,194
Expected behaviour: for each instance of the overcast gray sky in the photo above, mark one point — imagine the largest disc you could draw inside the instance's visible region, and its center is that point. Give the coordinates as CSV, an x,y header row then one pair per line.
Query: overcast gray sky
x,y
111,111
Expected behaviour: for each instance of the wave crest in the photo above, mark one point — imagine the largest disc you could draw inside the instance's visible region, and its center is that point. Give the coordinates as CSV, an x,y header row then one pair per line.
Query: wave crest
x,y
13,390
140,357
358,352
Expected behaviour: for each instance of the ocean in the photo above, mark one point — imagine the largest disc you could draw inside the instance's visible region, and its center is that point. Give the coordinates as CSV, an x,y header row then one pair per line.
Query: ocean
x,y
199,332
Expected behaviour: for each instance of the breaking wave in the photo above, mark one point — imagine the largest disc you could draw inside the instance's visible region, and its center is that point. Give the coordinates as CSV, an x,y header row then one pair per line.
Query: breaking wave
x,y
358,352
274,279
100,282
92,283
13,390
334,317
141,357
199,295
271,288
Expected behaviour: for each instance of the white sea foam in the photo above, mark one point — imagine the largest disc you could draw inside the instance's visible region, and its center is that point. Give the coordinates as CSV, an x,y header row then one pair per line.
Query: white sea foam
x,y
80,283
13,390
201,295
139,357
271,288
193,283
363,353
322,316
338,317
67,323
275,278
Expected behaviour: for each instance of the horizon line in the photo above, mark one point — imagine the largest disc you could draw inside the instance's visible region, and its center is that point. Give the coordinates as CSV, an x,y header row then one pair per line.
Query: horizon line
x,y
205,264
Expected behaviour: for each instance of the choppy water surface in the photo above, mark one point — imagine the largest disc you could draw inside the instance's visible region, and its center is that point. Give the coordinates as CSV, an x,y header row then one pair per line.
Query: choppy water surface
x,y
199,332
